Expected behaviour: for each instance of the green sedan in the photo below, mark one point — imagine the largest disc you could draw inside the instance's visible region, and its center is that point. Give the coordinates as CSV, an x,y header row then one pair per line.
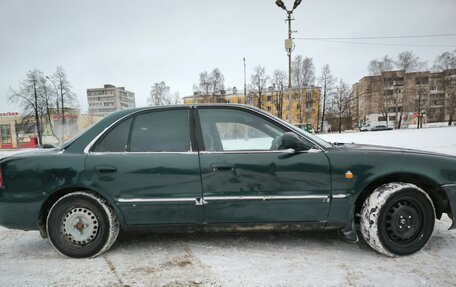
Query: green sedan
x,y
213,167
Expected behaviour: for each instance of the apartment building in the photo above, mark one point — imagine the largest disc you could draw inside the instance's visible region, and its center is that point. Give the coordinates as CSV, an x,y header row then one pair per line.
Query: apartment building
x,y
397,96
103,101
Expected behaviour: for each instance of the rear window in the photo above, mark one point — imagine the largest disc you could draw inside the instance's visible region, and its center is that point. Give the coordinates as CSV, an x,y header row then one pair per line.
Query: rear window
x,y
161,131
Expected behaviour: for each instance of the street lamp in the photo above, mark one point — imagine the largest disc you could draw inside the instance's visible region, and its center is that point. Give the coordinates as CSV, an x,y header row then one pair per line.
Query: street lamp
x,y
289,45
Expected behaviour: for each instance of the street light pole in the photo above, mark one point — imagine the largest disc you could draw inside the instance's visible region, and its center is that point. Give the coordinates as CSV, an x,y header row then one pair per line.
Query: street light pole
x,y
289,46
245,83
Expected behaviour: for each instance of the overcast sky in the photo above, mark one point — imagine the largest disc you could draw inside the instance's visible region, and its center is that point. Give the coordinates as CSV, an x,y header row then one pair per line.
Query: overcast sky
x,y
137,43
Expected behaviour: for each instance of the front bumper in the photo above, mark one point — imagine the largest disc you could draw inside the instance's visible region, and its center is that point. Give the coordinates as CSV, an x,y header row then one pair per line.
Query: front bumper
x,y
450,190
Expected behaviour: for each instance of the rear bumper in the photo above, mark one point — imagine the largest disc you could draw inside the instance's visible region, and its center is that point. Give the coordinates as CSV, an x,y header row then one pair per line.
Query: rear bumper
x,y
18,214
450,190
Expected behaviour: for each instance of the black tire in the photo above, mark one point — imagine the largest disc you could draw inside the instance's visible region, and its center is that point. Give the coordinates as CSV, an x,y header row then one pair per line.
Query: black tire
x,y
397,219
81,225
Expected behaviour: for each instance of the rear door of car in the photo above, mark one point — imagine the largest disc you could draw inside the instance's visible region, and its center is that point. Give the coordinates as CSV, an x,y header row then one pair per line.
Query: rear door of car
x,y
247,179
147,163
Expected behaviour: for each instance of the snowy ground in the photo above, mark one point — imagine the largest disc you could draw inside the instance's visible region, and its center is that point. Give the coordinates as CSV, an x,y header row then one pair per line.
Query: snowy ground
x,y
243,259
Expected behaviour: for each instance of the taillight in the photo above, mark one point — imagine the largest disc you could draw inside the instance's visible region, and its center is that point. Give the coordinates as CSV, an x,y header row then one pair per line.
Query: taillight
x,y
1,177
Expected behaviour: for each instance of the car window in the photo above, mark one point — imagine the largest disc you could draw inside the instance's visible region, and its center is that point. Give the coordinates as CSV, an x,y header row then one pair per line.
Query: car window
x,y
161,131
231,130
116,139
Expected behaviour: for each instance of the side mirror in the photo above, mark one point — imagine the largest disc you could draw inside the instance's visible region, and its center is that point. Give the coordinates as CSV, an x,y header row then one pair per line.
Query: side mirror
x,y
291,140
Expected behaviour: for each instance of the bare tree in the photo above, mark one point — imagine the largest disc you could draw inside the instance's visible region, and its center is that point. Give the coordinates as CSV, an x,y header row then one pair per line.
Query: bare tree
x,y
28,97
327,81
217,82
48,104
303,71
175,98
258,84
159,94
340,103
210,86
445,61
279,82
409,62
66,98
376,67
303,74
421,104
205,83
382,103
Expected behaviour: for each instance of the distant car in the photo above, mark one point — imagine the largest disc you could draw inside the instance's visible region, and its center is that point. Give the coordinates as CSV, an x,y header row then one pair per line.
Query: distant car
x,y
215,167
381,128
366,127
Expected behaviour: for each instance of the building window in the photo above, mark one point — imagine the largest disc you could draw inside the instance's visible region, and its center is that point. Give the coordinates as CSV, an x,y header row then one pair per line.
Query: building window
x,y
269,109
287,107
269,98
5,131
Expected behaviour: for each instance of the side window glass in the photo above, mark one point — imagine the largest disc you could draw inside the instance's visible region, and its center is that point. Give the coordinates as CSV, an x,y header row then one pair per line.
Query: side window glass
x,y
161,131
116,139
231,130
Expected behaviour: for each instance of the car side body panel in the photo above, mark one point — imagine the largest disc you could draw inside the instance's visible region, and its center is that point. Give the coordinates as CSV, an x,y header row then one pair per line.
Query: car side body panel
x,y
32,178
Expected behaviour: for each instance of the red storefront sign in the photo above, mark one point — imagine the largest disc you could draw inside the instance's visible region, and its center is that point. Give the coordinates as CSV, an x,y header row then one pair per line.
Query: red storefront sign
x,y
9,114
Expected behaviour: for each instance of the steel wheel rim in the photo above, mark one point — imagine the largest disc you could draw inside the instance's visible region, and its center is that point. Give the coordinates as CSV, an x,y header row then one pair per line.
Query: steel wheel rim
x,y
80,226
404,221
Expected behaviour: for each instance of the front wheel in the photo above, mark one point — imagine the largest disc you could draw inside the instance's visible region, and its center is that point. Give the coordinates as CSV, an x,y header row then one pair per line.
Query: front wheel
x,y
82,225
397,219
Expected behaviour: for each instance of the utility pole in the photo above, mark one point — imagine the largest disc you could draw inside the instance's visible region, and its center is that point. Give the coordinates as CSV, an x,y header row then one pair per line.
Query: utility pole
x,y
289,48
245,83
289,45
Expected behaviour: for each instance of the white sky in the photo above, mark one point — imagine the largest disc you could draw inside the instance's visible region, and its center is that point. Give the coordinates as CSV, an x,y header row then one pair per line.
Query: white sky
x,y
136,43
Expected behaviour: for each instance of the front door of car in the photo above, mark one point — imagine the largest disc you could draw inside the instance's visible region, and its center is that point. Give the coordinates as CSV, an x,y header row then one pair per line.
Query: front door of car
x,y
146,164
246,177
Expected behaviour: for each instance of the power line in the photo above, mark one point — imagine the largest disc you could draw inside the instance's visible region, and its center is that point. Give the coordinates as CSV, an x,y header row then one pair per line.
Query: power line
x,y
378,44
379,37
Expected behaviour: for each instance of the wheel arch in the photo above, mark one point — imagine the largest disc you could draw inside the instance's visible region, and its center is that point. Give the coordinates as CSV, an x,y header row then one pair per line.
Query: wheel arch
x,y
432,189
56,195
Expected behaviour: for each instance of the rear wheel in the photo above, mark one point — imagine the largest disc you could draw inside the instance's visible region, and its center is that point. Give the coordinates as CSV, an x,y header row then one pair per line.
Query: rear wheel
x,y
397,219
81,225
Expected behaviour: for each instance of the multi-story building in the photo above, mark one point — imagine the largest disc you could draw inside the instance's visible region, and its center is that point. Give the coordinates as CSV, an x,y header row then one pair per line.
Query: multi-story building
x,y
399,97
297,108
108,99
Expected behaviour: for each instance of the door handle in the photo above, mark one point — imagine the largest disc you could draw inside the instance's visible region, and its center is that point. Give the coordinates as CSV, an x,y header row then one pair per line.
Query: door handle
x,y
222,167
105,169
